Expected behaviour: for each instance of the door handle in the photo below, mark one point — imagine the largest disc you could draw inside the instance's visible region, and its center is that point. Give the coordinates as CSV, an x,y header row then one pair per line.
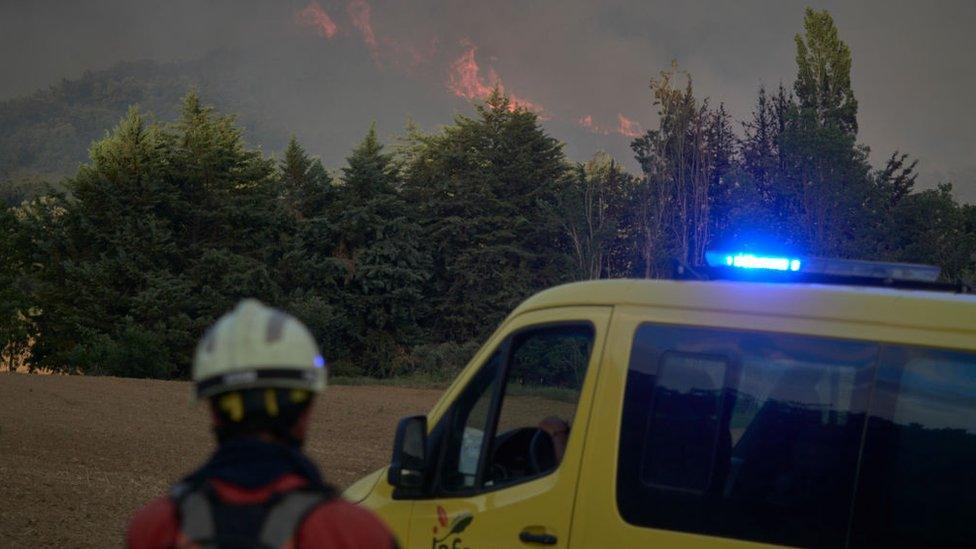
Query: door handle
x,y
542,539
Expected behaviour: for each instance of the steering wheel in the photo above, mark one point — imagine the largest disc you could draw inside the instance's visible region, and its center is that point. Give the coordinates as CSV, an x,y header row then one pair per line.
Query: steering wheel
x,y
542,452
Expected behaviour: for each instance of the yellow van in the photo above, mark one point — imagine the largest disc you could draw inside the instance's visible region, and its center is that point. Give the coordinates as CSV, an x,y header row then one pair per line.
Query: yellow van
x,y
640,413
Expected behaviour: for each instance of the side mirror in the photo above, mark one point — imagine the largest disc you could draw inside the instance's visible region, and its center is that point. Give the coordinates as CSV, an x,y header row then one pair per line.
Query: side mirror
x,y
408,468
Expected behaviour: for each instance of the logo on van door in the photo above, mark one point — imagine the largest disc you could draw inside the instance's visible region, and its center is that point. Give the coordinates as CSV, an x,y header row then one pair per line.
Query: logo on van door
x,y
450,532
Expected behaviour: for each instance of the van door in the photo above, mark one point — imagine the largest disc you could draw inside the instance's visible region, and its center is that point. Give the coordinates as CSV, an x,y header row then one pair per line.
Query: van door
x,y
506,449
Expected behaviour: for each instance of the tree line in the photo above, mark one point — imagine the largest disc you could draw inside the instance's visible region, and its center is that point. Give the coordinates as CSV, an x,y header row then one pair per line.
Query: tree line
x,y
407,257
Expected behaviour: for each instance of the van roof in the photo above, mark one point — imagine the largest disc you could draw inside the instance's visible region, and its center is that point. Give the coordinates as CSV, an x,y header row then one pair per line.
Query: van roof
x,y
928,310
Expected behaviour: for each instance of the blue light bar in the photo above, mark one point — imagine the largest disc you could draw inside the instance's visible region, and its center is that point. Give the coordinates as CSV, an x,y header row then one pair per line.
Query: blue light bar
x,y
751,261
823,266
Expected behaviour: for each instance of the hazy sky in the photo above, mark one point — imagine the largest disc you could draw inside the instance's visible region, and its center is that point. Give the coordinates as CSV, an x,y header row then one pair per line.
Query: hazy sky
x,y
914,71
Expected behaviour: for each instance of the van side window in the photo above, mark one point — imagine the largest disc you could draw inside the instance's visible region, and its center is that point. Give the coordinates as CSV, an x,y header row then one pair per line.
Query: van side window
x,y
918,471
744,435
495,439
545,374
683,422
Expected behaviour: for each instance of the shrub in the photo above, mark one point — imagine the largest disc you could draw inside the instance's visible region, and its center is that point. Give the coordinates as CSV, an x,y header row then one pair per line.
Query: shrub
x,y
438,361
133,351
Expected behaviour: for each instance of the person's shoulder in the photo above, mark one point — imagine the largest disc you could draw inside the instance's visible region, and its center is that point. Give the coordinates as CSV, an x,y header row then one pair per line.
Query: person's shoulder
x,y
153,525
338,523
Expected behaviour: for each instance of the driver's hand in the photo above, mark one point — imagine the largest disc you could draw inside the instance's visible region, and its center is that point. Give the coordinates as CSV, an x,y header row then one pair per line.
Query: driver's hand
x,y
558,431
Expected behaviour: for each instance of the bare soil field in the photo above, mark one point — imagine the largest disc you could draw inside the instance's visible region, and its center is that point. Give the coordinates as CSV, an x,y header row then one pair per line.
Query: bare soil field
x,y
79,454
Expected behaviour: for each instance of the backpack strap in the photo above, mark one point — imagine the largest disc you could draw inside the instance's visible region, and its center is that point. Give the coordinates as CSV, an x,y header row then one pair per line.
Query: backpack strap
x,y
195,512
285,518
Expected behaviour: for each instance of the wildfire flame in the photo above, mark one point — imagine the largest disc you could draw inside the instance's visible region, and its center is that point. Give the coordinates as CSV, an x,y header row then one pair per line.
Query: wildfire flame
x,y
466,78
466,81
359,11
382,49
587,122
627,127
314,16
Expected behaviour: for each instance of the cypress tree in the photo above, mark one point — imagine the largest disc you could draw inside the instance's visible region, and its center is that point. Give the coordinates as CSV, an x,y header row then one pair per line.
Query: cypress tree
x,y
386,266
311,277
485,189
161,231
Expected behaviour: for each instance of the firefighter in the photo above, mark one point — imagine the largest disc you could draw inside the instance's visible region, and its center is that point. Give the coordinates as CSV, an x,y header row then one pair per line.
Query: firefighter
x,y
259,369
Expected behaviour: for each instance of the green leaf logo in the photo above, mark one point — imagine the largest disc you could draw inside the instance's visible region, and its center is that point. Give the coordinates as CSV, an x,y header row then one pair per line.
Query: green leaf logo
x,y
460,522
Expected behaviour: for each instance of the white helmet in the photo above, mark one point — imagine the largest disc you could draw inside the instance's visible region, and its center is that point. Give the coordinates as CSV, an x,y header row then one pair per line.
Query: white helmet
x,y
255,346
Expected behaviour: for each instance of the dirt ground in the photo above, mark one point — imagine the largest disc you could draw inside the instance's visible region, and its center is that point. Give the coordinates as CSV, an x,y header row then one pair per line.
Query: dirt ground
x,y
79,454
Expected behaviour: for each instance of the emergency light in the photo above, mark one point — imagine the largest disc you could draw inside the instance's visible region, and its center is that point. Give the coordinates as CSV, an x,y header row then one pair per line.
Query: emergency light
x,y
744,262
750,261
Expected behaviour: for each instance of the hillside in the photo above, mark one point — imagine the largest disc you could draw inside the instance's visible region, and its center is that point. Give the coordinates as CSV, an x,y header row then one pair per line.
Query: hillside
x,y
46,135
327,102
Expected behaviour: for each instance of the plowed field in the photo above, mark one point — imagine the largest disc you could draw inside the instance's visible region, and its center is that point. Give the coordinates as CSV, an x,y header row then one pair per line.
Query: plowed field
x,y
79,454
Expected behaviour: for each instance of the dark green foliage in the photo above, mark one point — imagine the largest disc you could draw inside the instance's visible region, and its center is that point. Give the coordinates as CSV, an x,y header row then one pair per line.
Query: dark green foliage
x,y
930,227
164,229
14,299
595,209
438,361
405,261
484,189
686,163
13,193
552,361
387,266
131,351
308,188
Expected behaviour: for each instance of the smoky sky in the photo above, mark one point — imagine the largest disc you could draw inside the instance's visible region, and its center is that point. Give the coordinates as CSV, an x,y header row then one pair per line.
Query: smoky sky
x,y
914,72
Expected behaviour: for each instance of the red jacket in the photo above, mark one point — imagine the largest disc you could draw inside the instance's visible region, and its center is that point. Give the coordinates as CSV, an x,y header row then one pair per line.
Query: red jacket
x,y
334,524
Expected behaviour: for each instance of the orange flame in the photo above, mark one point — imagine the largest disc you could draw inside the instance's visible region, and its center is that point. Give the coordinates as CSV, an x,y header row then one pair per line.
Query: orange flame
x,y
314,16
359,12
627,127
587,122
466,81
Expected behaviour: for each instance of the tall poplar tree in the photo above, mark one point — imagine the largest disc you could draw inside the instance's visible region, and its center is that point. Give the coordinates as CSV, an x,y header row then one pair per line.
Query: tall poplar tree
x,y
823,82
825,181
